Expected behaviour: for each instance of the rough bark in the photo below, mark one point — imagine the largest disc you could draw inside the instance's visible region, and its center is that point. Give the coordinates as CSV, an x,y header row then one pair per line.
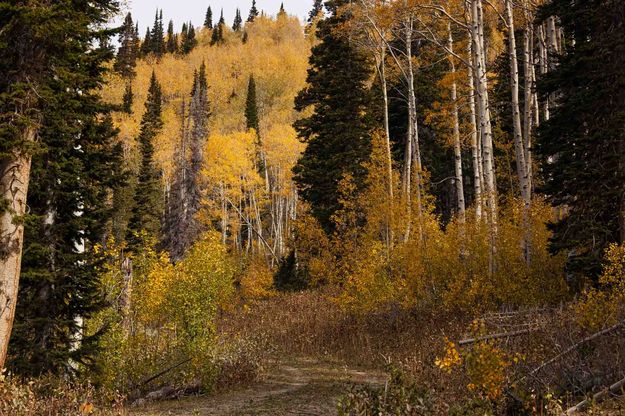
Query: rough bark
x,y
14,179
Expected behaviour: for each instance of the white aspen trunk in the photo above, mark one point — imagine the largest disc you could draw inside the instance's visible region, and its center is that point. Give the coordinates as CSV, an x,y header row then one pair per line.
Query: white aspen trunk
x,y
387,142
544,62
460,203
475,145
477,38
413,152
14,180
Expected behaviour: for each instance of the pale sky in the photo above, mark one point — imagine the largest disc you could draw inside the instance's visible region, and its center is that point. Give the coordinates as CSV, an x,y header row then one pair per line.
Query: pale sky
x,y
195,10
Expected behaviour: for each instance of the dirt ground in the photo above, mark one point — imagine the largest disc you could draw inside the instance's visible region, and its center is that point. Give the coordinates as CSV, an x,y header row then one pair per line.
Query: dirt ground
x,y
300,387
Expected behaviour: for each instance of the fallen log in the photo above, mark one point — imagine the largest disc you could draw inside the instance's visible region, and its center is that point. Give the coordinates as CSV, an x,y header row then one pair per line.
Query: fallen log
x,y
614,389
511,334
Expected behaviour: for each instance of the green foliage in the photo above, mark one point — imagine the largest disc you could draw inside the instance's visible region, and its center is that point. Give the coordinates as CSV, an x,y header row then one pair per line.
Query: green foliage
x,y
338,131
148,208
582,167
253,12
208,20
237,25
128,52
128,99
73,173
251,107
165,316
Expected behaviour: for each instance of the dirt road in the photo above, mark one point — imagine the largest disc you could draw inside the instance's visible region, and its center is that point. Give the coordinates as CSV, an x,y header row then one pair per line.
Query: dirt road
x,y
302,387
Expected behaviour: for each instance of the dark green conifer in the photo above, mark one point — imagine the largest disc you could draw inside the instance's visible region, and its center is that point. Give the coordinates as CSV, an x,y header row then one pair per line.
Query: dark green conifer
x,y
146,45
172,41
281,12
253,12
128,99
245,38
158,35
582,145
238,21
208,21
251,107
316,10
146,213
189,41
339,129
127,53
217,36
73,172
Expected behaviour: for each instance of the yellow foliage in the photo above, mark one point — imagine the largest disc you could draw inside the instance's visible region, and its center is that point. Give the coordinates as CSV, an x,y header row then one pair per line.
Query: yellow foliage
x,y
257,280
603,307
451,359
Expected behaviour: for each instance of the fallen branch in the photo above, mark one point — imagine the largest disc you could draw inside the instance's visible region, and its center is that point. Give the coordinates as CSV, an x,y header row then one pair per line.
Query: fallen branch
x,y
165,371
575,346
470,341
616,388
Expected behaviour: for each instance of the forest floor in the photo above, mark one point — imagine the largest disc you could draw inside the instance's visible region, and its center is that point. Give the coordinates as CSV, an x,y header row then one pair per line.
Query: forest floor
x,y
293,387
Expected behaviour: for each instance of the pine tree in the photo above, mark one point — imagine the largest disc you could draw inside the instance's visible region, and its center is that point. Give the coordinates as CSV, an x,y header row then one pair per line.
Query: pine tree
x,y
128,99
217,36
338,131
238,21
582,145
208,21
146,45
245,38
157,36
253,12
316,10
127,53
251,107
72,174
146,213
281,12
189,42
172,41
181,227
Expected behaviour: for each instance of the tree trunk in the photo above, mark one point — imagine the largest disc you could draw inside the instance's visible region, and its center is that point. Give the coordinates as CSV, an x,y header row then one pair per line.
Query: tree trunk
x,y
14,179
476,151
460,203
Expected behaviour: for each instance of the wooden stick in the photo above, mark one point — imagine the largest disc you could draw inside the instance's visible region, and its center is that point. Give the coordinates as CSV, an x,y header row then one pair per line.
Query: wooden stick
x,y
470,341
616,388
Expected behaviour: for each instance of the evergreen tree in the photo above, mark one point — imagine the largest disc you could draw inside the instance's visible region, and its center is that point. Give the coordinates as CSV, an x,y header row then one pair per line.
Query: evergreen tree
x,y
158,35
127,53
338,131
72,174
245,38
251,106
181,227
128,99
189,42
146,213
281,12
217,36
172,41
316,10
253,12
146,46
208,21
238,21
582,145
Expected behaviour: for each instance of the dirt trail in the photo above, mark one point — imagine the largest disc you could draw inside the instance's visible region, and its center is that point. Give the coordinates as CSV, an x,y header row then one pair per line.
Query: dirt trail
x,y
301,387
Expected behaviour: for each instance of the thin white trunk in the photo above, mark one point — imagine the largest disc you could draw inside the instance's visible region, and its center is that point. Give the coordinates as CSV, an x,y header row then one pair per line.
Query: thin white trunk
x,y
460,203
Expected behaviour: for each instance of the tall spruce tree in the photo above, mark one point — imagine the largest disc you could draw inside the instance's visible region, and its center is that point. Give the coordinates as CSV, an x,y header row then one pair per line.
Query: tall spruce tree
x,y
281,12
172,38
339,128
181,227
582,145
208,20
127,99
189,41
146,45
217,36
253,12
72,174
146,213
157,37
127,53
251,107
238,21
316,10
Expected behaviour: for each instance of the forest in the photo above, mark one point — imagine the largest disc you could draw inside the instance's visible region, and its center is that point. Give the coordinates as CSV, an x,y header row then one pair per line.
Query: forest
x,y
389,207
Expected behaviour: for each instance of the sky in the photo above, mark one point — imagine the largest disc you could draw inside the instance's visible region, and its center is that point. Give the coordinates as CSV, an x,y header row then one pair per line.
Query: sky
x,y
195,10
